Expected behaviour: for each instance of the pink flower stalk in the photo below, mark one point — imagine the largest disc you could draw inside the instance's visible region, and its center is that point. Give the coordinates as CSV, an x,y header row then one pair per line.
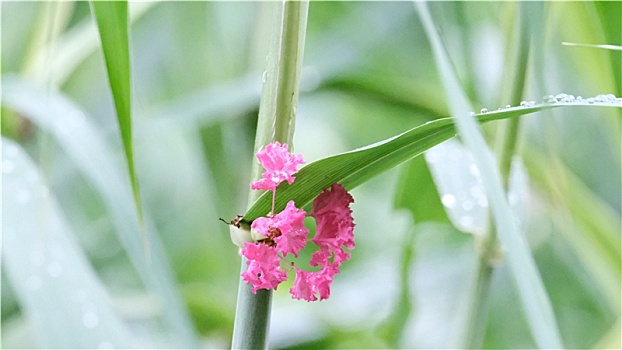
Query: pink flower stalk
x,y
264,267
279,164
286,229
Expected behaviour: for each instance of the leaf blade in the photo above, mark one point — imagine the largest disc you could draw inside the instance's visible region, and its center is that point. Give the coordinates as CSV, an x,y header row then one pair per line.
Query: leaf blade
x,y
112,24
357,166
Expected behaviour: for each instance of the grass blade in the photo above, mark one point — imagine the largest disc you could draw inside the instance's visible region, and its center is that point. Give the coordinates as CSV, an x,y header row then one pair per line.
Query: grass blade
x,y
112,22
356,167
536,303
89,151
43,259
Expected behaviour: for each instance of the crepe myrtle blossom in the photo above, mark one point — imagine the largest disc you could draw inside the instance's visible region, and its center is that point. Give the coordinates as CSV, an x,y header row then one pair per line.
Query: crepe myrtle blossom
x,y
280,165
284,233
286,229
264,269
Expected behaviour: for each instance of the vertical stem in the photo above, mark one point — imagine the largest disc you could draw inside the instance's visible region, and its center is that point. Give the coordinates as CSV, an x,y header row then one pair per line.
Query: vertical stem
x,y
478,309
277,112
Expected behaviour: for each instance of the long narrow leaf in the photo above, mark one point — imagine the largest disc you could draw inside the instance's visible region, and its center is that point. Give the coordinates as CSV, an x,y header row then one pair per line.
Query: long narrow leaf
x,y
59,292
536,303
356,167
89,151
112,19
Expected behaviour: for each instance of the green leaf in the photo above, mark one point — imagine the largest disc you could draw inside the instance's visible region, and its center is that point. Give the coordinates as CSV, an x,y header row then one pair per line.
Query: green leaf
x,y
417,193
355,167
112,22
58,291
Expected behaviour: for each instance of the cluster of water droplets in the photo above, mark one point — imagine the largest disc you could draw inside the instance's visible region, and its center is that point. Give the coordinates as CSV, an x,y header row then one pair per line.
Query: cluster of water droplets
x,y
460,186
564,98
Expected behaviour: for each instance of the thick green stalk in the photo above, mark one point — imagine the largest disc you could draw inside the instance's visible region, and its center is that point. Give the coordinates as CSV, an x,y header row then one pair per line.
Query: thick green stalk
x,y
478,307
276,122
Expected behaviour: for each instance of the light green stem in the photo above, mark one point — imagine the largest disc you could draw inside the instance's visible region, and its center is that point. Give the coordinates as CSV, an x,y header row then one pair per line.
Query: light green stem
x,y
277,112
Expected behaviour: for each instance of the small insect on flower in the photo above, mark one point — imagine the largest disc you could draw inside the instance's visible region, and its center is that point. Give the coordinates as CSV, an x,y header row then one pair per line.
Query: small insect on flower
x,y
235,222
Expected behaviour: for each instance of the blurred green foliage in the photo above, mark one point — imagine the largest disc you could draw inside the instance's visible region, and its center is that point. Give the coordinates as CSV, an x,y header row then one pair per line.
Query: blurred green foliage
x,y
368,74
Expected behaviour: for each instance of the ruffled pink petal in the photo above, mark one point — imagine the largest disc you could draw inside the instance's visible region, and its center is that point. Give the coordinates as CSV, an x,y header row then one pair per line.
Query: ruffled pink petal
x,y
262,225
293,232
303,286
280,165
335,225
264,267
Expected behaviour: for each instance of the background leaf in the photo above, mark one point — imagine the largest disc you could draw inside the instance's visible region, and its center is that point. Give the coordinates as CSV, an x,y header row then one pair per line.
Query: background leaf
x,y
47,268
84,144
112,22
534,298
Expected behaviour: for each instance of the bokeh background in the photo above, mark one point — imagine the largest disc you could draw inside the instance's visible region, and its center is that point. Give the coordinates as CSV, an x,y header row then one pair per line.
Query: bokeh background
x,y
70,270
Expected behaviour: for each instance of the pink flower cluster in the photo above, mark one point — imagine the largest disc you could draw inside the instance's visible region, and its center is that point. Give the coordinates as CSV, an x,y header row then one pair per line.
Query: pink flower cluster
x,y
285,233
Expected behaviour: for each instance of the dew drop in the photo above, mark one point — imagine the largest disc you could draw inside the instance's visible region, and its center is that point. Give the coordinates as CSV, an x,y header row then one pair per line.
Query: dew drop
x,y
484,110
590,100
508,106
579,98
523,103
473,169
7,166
448,200
466,221
549,99
560,97
568,98
23,196
90,319
467,205
610,97
482,201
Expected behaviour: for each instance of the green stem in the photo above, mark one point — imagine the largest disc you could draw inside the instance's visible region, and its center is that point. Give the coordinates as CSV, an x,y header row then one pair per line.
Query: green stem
x,y
277,112
477,314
